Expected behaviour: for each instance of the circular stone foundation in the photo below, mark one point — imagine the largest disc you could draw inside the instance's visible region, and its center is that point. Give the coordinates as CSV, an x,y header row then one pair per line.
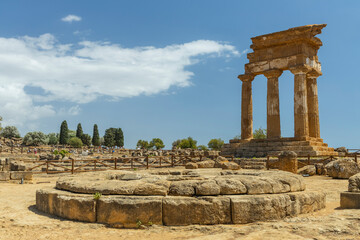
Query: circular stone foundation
x,y
179,197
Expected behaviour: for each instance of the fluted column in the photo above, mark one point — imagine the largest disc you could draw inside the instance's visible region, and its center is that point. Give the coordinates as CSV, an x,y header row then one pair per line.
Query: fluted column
x,y
301,125
246,107
313,104
273,103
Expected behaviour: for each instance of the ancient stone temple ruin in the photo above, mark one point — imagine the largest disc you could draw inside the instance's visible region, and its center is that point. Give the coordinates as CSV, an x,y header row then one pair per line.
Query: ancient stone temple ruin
x,y
295,50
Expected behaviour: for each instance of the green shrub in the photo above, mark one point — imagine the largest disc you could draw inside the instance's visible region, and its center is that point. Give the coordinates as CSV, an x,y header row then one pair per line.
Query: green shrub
x,y
75,142
216,144
10,132
259,133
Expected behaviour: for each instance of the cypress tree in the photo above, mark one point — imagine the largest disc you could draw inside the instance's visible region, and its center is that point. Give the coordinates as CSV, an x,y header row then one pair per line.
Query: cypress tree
x,y
96,138
64,133
79,131
119,137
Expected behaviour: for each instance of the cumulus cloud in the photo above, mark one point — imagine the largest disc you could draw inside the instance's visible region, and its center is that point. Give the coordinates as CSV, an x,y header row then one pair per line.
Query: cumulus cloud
x,y
82,72
71,18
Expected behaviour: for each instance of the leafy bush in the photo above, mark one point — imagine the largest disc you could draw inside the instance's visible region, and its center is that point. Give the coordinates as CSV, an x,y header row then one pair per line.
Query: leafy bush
x,y
10,132
53,138
143,144
63,153
156,143
216,144
259,133
176,143
187,143
75,142
202,147
35,139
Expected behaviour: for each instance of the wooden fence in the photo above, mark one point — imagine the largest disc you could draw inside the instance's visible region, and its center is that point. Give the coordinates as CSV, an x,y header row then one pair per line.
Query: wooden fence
x,y
87,165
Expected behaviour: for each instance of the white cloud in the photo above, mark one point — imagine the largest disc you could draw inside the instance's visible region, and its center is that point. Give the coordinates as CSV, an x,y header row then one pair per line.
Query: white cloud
x,y
71,18
82,72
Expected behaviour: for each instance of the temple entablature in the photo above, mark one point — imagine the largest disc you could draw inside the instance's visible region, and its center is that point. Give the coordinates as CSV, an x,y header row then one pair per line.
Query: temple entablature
x,y
285,50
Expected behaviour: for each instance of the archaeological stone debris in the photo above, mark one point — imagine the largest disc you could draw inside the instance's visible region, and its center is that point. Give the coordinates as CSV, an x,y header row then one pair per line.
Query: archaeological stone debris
x,y
295,50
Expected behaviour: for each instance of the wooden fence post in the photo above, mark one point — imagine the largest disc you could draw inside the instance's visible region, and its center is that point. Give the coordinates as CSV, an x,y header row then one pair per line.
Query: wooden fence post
x,y
160,161
308,160
172,160
47,166
72,166
115,163
147,162
267,162
131,163
95,165
356,157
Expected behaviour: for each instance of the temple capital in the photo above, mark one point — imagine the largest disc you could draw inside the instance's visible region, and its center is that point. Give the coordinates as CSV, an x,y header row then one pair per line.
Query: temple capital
x,y
313,74
273,73
303,69
246,77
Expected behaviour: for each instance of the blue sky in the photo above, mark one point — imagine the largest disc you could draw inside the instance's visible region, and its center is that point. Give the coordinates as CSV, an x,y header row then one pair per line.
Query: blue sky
x,y
166,69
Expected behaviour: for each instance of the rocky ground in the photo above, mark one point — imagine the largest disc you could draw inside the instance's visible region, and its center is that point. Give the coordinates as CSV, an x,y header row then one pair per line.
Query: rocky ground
x,y
19,219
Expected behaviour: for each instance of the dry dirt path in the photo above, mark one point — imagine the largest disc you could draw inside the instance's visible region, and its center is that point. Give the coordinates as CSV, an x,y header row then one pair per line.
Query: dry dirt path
x,y
19,219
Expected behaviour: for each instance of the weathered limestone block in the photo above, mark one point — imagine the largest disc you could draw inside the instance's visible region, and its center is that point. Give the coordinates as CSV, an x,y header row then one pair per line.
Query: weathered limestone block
x,y
45,199
203,210
306,202
182,188
207,188
246,209
206,164
354,183
342,168
129,212
254,185
76,208
295,182
320,169
17,166
307,170
230,186
21,175
288,161
151,189
191,165
4,176
350,200
104,187
229,166
69,206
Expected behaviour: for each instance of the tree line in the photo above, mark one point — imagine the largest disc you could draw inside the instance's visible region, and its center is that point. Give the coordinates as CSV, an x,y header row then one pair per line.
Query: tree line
x,y
113,137
186,143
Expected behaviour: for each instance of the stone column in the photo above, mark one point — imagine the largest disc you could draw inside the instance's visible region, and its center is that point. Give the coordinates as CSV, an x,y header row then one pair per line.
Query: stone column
x,y
313,104
301,124
246,107
273,105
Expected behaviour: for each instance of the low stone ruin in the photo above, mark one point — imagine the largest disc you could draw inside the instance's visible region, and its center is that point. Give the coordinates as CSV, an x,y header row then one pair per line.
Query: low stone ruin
x,y
179,197
342,168
351,199
13,170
